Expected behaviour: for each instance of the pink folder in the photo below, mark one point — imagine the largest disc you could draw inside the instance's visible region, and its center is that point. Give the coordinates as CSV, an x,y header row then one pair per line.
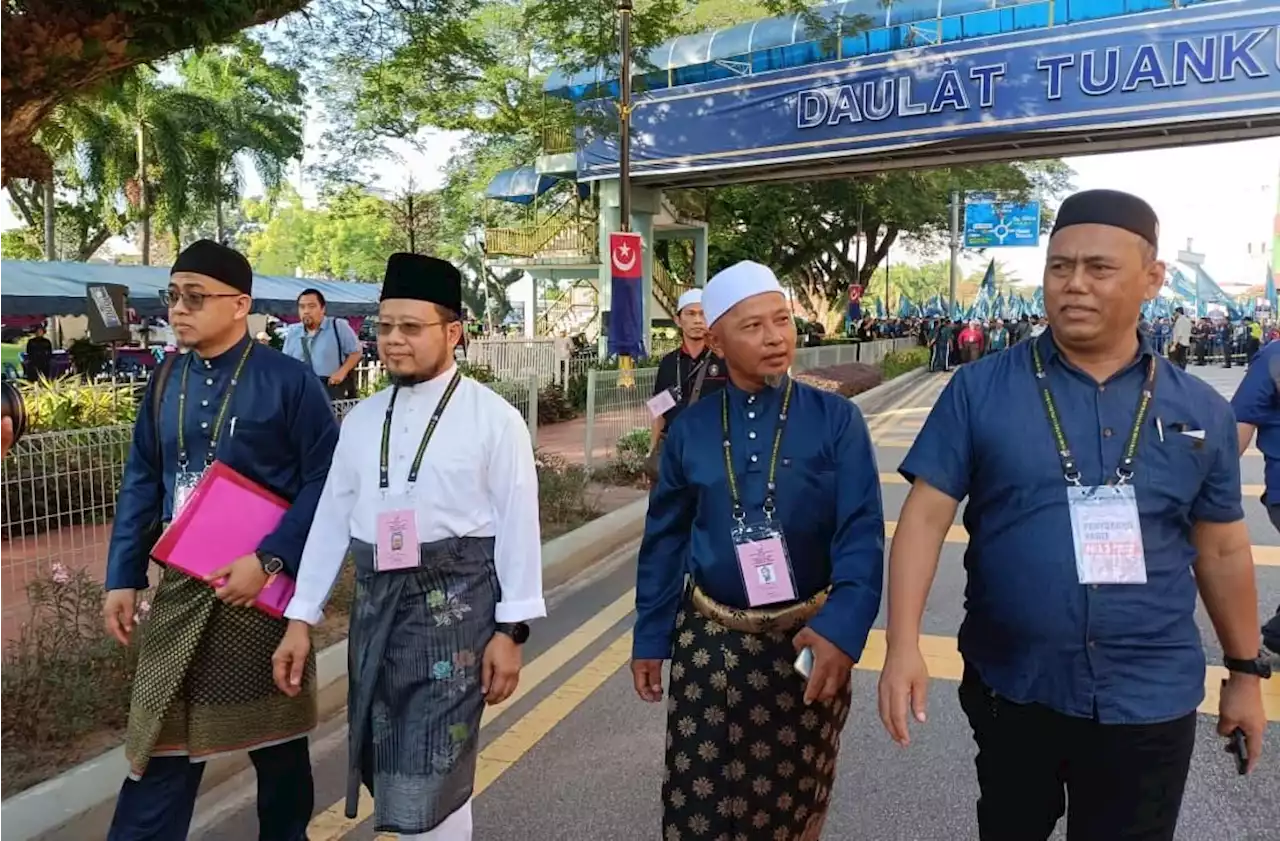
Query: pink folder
x,y
226,518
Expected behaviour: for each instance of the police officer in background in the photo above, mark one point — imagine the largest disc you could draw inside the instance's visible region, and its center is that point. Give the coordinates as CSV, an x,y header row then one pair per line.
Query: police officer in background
x,y
684,375
1102,496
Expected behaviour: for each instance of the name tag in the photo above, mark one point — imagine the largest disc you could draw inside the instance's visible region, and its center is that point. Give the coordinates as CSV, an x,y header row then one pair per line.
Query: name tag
x,y
1107,535
397,543
184,484
765,564
661,403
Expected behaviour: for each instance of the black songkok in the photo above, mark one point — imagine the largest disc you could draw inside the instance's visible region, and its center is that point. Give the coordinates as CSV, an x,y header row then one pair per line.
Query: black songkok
x,y
210,259
421,278
1110,207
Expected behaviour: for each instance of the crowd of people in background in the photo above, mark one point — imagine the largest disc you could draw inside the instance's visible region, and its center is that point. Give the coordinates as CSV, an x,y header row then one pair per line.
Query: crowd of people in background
x,y
1204,341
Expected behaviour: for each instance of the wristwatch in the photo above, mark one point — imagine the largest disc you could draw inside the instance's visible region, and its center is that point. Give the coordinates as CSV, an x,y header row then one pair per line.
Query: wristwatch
x,y
518,631
1257,666
271,564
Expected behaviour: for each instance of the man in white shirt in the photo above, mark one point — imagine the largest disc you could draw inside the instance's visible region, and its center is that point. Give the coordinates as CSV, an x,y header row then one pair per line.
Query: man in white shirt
x,y
1181,339
434,494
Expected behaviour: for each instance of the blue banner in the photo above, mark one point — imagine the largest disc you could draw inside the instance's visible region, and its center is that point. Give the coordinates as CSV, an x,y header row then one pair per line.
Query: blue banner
x,y
991,223
1154,70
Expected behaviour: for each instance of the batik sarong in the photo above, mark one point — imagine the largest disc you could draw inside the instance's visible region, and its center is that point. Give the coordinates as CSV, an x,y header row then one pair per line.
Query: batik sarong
x,y
746,759
416,649
204,685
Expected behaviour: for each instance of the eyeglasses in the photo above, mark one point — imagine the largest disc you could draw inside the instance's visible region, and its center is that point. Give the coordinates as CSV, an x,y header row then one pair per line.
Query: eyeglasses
x,y
191,299
409,329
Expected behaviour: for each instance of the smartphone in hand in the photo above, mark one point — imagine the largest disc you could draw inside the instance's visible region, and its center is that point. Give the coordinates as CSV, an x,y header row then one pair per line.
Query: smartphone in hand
x,y
804,662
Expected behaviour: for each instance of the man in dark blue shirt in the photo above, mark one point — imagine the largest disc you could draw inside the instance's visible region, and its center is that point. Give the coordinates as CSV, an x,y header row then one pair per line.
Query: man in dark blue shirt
x,y
204,681
769,500
1101,497
1257,407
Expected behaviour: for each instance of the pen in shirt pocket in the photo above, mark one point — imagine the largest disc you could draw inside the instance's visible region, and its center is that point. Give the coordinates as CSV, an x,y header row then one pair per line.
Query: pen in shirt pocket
x,y
1160,428
233,428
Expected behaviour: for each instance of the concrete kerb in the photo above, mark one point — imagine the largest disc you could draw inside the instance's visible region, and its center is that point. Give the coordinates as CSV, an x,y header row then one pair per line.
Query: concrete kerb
x,y
85,795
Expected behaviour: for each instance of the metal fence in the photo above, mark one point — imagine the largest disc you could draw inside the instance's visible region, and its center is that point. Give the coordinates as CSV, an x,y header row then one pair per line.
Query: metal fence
x,y
516,358
58,495
616,412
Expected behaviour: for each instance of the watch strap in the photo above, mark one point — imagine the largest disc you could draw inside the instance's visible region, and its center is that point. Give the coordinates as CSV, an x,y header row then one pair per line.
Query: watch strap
x,y
1253,666
518,631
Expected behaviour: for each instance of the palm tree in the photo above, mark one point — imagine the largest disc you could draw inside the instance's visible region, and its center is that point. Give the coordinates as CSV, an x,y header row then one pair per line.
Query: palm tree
x,y
153,164
257,113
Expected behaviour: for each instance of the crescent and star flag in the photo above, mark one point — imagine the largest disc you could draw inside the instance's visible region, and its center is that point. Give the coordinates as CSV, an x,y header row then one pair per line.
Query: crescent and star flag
x,y
855,302
626,316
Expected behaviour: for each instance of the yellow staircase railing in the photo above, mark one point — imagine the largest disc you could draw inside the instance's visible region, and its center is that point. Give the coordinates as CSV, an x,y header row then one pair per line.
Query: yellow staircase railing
x,y
666,289
557,140
560,235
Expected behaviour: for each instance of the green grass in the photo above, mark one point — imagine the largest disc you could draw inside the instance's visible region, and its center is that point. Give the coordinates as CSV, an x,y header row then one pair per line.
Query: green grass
x,y
9,354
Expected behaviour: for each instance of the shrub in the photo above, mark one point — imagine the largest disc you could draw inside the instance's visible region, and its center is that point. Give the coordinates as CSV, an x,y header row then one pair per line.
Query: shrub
x,y
70,403
63,678
478,371
626,467
898,362
562,491
553,405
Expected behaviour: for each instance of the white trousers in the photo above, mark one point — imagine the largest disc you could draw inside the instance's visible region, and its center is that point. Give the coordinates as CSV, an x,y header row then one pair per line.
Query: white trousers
x,y
456,827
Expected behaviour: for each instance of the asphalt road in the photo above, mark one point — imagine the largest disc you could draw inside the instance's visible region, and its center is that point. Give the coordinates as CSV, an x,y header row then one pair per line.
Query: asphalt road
x,y
579,757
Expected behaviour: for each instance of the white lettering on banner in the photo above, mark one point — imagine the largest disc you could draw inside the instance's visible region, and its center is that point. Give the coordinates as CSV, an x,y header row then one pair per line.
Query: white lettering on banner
x,y
939,85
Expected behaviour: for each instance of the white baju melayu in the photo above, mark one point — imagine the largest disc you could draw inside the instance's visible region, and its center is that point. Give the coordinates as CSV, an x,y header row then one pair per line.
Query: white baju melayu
x,y
477,479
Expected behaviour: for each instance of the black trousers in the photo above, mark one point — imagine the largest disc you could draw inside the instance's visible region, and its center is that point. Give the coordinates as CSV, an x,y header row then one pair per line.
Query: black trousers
x,y
1124,782
159,806
1178,356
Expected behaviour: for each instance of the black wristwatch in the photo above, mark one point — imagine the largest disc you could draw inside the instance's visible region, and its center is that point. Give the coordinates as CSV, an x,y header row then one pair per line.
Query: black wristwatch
x,y
1257,666
518,631
271,564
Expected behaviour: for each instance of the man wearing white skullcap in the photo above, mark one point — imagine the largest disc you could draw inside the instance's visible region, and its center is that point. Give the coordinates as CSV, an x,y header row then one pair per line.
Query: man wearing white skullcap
x,y
764,538
685,374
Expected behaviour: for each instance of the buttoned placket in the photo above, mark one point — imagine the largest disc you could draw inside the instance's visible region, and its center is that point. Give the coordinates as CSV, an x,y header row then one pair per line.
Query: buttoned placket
x,y
752,414
204,401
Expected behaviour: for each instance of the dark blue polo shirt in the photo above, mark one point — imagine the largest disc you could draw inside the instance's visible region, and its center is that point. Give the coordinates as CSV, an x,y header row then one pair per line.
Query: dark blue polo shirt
x,y
1120,653
1256,402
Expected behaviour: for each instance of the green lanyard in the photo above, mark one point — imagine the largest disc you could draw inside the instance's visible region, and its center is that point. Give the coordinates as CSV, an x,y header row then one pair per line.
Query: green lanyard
x,y
771,486
384,466
212,452
1070,470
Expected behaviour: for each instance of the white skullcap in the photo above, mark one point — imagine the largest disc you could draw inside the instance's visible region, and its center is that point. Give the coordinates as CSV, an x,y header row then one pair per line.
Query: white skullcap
x,y
736,283
689,298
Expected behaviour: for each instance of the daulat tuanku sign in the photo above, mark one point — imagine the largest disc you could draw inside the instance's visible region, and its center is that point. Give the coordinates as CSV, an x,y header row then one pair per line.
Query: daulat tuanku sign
x,y
1214,61
990,222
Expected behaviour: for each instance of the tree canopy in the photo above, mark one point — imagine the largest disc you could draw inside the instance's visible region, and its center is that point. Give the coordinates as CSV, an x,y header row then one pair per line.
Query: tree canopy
x,y
53,51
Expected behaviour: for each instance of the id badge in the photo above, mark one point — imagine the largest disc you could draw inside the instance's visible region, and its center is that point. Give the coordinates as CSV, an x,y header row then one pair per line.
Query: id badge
x,y
184,484
661,403
1107,535
397,544
764,563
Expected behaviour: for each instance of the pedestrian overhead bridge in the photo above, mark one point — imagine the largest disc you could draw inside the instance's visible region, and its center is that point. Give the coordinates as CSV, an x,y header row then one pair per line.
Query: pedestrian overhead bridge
x,y
865,85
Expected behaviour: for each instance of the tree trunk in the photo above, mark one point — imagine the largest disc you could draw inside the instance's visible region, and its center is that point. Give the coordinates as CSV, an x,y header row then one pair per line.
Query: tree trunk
x,y
144,199
50,209
219,224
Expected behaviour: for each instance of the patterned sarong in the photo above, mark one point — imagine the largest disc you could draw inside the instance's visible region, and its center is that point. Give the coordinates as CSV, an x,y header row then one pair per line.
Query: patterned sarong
x,y
416,647
204,684
746,759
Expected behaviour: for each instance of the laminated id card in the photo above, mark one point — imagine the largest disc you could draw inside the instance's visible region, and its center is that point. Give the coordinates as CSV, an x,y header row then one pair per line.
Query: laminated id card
x,y
397,540
661,403
184,484
764,563
1107,535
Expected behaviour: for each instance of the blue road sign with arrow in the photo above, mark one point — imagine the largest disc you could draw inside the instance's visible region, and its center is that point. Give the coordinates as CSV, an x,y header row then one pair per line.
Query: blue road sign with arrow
x,y
990,222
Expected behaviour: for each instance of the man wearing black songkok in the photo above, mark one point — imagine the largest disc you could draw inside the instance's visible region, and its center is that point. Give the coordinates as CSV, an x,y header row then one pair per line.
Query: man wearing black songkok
x,y
448,564
1102,497
204,681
